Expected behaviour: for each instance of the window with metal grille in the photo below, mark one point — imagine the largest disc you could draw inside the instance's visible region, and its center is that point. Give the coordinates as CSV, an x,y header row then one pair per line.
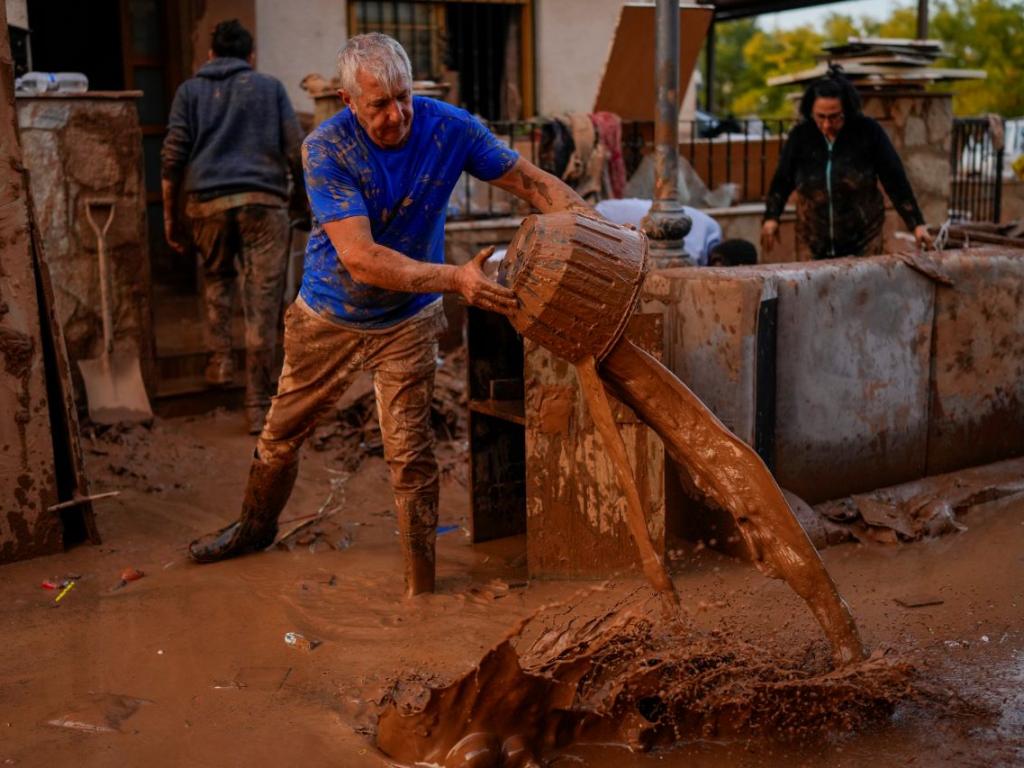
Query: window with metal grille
x,y
417,26
475,50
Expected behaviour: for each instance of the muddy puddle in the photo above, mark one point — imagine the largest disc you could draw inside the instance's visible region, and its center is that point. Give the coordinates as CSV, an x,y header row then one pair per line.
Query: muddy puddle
x,y
190,666
610,670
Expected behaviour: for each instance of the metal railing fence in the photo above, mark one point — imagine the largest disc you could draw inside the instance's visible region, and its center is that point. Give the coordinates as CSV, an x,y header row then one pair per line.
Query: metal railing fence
x,y
743,153
976,171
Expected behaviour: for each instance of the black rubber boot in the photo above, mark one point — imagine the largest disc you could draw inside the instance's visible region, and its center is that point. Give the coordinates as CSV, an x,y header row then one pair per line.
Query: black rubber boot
x,y
417,533
267,492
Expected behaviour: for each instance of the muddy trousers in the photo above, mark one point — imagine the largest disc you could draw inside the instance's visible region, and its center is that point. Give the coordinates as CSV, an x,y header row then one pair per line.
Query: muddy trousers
x,y
320,360
249,241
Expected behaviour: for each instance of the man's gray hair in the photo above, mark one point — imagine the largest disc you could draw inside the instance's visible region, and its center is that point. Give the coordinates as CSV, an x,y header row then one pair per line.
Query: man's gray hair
x,y
375,54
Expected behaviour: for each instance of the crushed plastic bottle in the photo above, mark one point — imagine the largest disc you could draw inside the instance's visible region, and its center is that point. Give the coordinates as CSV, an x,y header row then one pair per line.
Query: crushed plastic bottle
x,y
295,640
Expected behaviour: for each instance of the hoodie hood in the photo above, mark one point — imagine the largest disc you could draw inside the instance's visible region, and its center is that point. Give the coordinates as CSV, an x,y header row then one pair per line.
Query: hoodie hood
x,y
222,67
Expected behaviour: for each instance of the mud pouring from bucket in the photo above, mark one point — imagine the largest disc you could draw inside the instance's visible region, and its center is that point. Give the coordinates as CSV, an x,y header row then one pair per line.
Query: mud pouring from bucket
x,y
578,280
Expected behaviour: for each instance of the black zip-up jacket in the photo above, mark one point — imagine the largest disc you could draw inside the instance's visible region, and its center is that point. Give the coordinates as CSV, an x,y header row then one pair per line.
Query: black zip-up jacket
x,y
844,217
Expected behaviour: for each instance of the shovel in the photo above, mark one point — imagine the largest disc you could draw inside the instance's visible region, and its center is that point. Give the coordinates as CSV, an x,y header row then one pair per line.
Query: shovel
x,y
113,381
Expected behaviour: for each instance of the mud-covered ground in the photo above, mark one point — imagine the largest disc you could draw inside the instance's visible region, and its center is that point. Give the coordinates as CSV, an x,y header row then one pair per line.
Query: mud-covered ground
x,y
189,665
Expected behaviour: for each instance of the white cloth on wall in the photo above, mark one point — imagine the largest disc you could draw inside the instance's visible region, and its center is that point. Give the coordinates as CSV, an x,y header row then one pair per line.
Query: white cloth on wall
x,y
704,234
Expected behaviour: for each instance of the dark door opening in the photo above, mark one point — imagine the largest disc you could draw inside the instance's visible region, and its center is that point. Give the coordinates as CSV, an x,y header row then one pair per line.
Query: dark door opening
x,y
480,36
72,36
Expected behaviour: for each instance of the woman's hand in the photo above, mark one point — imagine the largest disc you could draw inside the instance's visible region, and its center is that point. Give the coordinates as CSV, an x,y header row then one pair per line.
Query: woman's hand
x,y
769,235
923,237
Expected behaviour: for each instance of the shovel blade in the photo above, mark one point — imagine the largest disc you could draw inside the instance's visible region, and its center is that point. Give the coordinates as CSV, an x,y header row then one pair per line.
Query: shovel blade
x,y
114,389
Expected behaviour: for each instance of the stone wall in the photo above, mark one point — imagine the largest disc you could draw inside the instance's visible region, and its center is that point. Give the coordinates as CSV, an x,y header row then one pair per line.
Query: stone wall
x,y
77,149
1013,200
921,128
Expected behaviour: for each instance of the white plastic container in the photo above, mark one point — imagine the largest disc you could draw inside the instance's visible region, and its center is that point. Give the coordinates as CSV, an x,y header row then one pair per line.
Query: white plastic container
x,y
36,83
72,82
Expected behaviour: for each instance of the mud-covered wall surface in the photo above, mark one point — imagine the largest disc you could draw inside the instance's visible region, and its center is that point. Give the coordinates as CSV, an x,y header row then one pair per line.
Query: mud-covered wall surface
x,y
744,221
853,345
977,383
77,149
572,491
886,370
27,482
710,337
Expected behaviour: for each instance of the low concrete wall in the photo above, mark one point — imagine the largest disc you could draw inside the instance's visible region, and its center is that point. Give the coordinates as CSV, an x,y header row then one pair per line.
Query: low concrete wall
x,y
852,371
744,222
977,362
883,372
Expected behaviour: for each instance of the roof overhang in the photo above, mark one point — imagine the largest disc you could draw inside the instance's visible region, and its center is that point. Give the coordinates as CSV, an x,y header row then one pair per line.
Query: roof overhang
x,y
727,10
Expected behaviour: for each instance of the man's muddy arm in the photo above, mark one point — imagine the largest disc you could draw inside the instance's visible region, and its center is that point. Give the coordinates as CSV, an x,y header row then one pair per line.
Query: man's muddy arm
x,y
380,266
541,190
171,189
174,154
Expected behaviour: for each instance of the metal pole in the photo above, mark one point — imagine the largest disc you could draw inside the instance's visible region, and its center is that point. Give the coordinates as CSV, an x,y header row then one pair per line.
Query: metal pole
x,y
922,19
667,224
709,70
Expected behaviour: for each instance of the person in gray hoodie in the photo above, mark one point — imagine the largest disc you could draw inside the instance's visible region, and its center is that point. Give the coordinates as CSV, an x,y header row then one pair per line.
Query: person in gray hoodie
x,y
232,140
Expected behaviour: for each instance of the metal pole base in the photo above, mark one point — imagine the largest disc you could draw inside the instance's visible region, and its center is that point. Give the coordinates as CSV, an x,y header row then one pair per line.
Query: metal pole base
x,y
665,225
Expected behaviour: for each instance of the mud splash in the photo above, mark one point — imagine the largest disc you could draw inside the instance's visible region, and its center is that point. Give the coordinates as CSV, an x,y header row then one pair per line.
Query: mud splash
x,y
578,280
584,672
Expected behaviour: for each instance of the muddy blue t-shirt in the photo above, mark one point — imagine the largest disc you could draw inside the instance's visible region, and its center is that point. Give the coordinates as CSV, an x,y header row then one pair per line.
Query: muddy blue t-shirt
x,y
404,192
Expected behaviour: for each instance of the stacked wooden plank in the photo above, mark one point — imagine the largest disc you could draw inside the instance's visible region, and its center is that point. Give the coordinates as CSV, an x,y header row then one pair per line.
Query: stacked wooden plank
x,y
886,63
964,234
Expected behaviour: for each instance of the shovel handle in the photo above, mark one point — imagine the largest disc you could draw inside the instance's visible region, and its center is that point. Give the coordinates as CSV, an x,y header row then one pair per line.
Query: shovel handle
x,y
101,252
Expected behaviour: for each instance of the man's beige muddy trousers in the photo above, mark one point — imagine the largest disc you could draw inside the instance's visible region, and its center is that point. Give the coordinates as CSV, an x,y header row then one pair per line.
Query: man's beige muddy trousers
x,y
321,358
251,240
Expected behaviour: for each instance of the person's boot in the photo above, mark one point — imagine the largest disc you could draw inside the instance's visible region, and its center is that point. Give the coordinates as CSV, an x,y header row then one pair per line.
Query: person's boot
x,y
258,387
266,493
417,533
220,369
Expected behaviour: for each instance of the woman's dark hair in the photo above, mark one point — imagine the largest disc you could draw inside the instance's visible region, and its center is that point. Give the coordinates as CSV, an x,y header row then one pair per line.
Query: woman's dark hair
x,y
230,38
834,85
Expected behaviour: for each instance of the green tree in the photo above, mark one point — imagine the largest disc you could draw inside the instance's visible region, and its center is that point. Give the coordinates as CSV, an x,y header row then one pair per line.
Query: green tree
x,y
740,85
986,35
731,71
902,23
977,34
839,28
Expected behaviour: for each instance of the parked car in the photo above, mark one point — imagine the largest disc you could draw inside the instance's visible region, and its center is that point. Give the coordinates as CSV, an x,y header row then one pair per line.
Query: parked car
x,y
711,127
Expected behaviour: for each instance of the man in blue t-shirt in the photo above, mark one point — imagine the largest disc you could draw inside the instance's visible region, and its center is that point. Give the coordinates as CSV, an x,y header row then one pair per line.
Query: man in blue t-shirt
x,y
379,175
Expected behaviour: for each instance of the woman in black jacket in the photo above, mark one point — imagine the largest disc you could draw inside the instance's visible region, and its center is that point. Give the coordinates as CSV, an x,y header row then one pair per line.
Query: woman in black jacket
x,y
834,159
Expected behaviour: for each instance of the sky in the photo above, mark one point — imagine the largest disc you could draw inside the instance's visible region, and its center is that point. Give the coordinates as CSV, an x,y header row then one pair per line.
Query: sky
x,y
878,9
